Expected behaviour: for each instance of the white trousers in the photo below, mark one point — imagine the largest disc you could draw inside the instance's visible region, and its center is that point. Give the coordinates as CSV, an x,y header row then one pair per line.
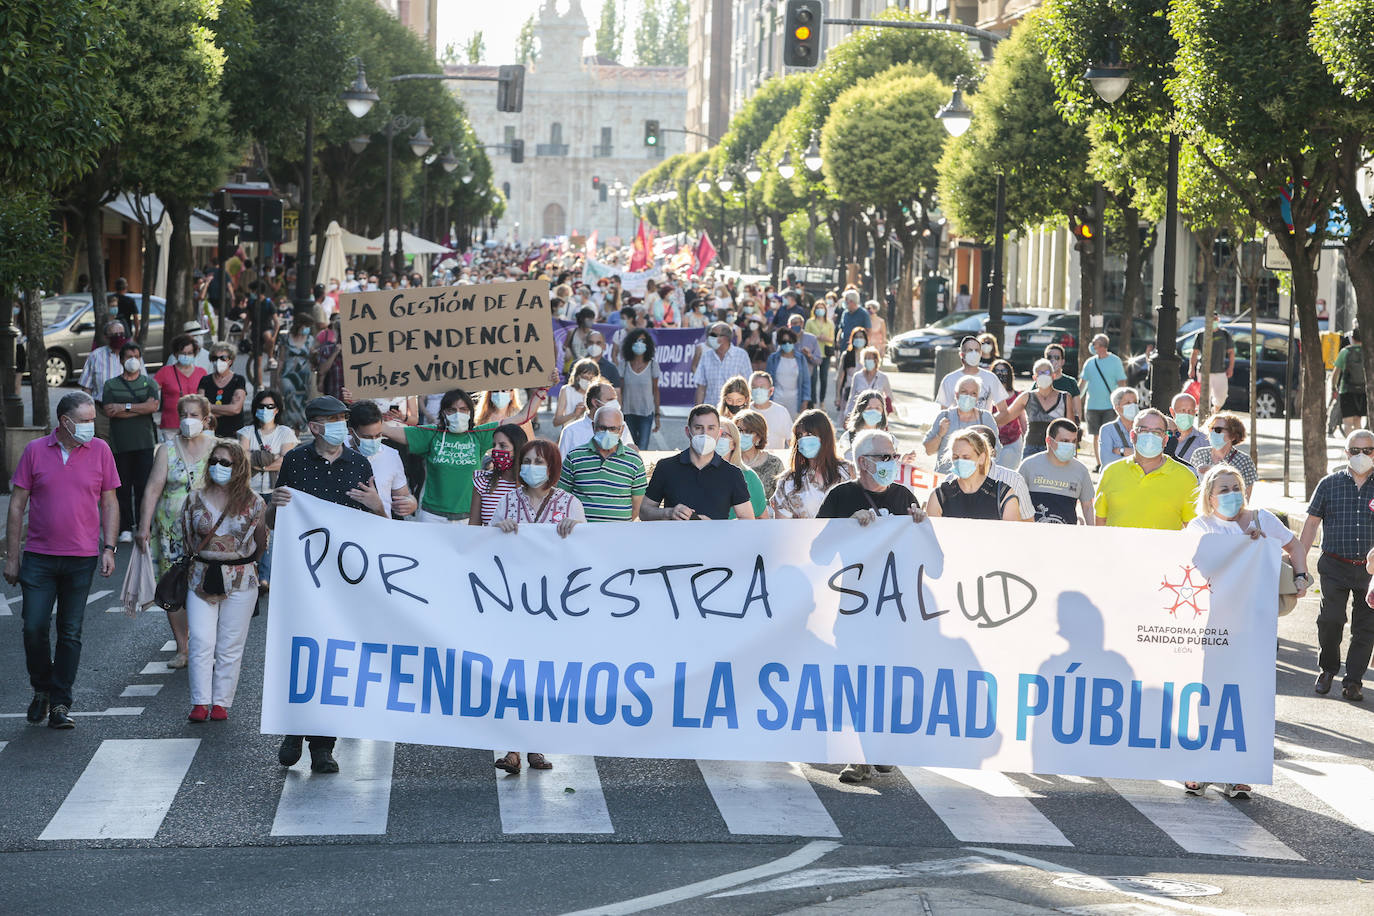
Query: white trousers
x,y
1219,385
218,632
439,519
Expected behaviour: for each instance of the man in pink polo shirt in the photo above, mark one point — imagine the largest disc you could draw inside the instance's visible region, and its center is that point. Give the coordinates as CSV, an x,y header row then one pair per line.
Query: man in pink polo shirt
x,y
67,481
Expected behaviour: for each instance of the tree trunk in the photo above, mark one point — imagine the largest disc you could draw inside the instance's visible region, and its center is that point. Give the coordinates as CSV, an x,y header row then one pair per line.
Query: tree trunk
x,y
37,356
906,320
1135,283
1087,307
879,278
1206,239
1313,384
180,308
1360,267
149,265
777,248
93,217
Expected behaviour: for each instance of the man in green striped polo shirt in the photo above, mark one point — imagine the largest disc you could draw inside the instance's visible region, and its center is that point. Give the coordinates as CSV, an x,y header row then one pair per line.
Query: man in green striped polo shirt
x,y
604,475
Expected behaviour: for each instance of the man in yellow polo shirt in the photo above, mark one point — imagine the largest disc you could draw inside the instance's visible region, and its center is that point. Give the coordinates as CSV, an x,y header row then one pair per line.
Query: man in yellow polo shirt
x,y
1151,490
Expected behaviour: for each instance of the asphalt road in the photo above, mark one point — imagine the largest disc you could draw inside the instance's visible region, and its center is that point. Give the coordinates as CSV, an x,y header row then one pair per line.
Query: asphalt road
x,y
139,811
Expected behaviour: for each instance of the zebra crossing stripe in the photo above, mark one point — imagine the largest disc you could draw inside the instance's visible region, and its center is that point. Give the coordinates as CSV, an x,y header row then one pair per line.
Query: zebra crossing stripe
x,y
92,599
981,806
1347,788
1210,825
566,799
766,799
354,801
125,790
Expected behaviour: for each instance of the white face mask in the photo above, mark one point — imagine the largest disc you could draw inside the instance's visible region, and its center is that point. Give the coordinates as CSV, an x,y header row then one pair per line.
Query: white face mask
x,y
132,364
594,350
584,383
970,357
1361,463
221,366
191,427
500,399
703,444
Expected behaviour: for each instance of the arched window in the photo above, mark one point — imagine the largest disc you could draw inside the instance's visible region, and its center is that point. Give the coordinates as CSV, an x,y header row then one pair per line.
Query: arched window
x,y
554,222
555,134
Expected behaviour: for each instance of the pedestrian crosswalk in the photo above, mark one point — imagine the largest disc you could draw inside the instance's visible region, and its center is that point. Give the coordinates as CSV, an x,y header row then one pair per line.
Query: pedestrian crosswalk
x,y
130,789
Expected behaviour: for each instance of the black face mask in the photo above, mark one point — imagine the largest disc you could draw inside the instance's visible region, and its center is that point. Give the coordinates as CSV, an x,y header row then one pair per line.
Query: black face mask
x,y
1005,380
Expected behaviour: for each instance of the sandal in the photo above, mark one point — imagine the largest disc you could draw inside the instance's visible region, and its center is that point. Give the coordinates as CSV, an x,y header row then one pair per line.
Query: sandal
x,y
538,762
1196,788
510,763
1235,790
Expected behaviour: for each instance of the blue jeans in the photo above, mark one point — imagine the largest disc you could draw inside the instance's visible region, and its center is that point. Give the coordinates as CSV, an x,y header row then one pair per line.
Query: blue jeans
x,y
640,429
66,581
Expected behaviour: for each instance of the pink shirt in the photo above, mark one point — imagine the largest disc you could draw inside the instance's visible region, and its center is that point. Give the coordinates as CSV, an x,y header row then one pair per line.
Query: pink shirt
x,y
64,499
174,386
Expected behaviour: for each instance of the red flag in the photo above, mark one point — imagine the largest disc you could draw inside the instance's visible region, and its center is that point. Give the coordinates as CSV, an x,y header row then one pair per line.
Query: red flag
x,y
705,253
640,259
590,247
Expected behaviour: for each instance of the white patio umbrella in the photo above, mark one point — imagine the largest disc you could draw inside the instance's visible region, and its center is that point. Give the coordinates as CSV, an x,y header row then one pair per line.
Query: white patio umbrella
x,y
164,239
332,263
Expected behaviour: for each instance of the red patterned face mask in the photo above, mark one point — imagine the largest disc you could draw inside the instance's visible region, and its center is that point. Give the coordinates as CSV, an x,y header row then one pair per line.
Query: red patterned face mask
x,y
501,460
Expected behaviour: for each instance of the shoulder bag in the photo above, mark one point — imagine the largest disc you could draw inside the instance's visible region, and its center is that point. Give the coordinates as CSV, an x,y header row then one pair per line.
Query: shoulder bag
x,y
174,584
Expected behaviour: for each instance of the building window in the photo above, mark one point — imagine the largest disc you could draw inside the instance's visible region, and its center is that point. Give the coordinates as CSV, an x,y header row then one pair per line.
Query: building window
x,y
505,189
604,150
553,221
510,135
555,146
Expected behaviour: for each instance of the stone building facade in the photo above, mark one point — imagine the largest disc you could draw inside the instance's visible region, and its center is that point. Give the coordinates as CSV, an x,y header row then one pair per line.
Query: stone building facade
x,y
583,117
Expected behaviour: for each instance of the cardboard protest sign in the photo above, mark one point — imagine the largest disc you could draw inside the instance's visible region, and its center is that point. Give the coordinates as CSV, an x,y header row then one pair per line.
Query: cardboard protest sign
x,y
423,341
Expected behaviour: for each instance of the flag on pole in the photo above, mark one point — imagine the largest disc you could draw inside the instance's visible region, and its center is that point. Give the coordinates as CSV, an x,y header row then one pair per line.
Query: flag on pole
x,y
640,259
705,253
591,243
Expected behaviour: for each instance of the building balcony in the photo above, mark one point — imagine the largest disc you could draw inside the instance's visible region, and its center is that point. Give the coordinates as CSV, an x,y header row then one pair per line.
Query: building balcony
x,y
602,152
551,149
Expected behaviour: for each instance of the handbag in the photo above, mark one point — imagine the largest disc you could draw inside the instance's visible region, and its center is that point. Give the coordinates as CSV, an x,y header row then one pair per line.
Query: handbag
x,y
139,587
1288,589
175,583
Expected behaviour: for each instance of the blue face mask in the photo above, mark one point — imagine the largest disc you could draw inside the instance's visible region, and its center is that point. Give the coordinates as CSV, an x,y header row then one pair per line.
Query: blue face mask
x,y
724,447
1130,410
967,402
369,447
809,446
184,359
884,472
1149,445
1230,504
1215,439
534,475
335,432
266,414
500,399
1065,450
964,468
760,395
872,417
787,347
746,441
638,347
606,439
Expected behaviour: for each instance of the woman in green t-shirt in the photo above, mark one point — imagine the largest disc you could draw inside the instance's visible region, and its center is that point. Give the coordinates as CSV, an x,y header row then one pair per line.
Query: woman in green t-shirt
x,y
453,450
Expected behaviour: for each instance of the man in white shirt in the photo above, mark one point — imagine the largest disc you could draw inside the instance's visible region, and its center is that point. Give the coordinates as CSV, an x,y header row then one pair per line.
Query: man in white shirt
x,y
779,417
579,432
720,361
992,394
389,473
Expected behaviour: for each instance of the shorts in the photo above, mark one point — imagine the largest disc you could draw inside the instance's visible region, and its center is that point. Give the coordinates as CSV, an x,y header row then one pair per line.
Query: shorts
x,y
1354,404
1097,418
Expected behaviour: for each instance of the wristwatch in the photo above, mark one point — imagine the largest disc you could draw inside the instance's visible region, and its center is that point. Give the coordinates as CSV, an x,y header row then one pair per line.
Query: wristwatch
x,y
128,408
105,547
1305,577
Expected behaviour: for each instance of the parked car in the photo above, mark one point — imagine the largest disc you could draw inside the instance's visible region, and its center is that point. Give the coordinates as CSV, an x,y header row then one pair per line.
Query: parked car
x,y
914,350
1272,396
69,332
1029,345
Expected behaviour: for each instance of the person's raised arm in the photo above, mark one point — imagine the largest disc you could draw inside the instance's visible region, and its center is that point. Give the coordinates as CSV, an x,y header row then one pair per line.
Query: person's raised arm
x,y
1014,409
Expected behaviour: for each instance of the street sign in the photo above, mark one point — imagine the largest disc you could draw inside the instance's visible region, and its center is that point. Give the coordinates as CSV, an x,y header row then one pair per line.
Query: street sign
x,y
290,219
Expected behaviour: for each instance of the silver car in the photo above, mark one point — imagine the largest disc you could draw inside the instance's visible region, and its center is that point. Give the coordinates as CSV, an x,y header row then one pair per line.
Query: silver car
x,y
69,332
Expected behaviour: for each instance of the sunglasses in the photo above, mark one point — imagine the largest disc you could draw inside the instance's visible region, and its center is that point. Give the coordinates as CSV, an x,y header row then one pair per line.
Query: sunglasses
x,y
267,406
1219,429
881,457
222,462
1368,450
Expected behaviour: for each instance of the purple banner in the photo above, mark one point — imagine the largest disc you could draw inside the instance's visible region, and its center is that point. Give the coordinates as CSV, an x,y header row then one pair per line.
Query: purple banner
x,y
673,351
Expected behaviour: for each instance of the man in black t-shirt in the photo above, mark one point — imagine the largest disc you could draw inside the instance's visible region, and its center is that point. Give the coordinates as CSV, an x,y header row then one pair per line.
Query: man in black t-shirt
x,y
875,493
126,307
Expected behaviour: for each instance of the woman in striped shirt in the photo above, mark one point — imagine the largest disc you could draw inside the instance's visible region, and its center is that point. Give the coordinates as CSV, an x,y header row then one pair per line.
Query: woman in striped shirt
x,y
496,477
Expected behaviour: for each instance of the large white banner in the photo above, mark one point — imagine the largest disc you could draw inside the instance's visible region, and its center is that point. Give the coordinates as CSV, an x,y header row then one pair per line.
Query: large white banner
x,y
1014,647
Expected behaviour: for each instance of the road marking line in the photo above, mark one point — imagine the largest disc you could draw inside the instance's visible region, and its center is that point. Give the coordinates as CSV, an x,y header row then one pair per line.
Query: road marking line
x,y
817,877
169,646
1299,750
766,799
125,791
5,606
536,800
141,690
1210,825
790,862
160,667
2,745
1057,869
354,801
92,599
112,711
116,609
1077,780
983,806
1347,788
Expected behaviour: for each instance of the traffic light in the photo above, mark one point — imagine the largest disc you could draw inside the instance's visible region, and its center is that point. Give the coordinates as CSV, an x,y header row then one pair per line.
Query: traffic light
x,y
651,133
517,151
802,33
510,87
1082,227
596,182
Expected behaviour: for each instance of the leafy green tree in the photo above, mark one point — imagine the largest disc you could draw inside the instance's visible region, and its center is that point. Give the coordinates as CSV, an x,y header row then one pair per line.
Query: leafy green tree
x,y
673,45
1343,34
526,45
880,147
475,48
649,34
1263,113
610,31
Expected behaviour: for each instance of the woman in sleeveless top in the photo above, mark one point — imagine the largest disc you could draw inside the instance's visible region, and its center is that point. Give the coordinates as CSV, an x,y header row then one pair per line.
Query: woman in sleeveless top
x,y
969,492
1041,404
178,467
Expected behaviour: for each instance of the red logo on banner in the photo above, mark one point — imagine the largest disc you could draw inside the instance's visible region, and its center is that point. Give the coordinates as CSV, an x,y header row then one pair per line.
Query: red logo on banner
x,y
1187,593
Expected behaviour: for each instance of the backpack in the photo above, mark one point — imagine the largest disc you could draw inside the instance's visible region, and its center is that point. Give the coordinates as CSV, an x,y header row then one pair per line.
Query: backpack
x,y
1354,368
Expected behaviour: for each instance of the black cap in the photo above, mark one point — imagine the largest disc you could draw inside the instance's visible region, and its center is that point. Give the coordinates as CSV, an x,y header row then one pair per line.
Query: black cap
x,y
324,407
